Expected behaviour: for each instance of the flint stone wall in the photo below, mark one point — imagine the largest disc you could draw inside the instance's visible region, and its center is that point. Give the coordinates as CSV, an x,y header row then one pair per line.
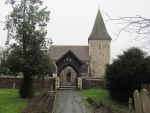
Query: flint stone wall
x,y
92,83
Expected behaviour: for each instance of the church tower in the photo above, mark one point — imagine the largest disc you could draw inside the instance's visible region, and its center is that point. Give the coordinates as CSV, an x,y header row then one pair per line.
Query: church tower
x,y
99,46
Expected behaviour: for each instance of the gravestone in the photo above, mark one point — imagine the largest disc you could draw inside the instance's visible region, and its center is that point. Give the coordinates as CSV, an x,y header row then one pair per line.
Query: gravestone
x,y
137,101
145,100
130,105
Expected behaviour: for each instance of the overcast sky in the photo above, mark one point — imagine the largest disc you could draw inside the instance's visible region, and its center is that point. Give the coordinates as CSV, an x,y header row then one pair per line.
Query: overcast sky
x,y
71,21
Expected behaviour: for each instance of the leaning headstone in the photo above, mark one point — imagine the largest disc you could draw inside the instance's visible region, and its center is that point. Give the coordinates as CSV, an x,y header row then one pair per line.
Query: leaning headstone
x,y
137,101
145,100
13,87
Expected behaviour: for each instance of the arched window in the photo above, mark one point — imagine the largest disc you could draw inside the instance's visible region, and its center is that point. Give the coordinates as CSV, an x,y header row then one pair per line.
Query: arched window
x,y
99,46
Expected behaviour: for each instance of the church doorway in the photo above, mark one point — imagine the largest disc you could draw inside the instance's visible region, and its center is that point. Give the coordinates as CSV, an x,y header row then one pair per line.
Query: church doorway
x,y
68,77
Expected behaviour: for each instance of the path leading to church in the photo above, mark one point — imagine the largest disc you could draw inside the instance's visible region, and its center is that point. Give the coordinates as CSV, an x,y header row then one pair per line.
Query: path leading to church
x,y
69,101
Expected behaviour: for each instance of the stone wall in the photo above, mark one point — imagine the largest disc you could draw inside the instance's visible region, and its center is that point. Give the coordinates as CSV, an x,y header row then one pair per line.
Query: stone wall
x,y
92,83
38,83
100,56
84,74
49,82
8,82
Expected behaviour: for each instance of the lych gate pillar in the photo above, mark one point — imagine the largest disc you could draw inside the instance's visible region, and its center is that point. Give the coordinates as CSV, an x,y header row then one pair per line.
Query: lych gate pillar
x,y
57,83
80,83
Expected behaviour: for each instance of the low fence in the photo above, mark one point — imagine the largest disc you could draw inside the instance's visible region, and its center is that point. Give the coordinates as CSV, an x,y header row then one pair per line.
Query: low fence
x,y
92,83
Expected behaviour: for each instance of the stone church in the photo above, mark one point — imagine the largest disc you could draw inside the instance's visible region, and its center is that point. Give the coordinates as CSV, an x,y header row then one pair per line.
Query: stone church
x,y
72,62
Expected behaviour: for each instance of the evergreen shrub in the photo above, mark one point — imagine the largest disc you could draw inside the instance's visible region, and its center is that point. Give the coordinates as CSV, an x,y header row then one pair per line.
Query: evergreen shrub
x,y
127,73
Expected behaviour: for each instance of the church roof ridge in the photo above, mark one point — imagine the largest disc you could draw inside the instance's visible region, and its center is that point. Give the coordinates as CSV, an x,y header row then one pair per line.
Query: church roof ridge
x,y
99,31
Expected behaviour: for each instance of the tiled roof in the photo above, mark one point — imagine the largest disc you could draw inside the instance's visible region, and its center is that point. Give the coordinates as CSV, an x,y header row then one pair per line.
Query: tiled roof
x,y
82,52
99,31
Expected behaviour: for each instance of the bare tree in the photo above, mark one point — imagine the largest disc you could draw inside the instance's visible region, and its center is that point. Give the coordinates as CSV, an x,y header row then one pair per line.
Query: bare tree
x,y
135,25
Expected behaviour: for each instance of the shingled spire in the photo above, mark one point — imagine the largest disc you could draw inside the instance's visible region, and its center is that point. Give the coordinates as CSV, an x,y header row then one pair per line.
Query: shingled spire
x,y
99,31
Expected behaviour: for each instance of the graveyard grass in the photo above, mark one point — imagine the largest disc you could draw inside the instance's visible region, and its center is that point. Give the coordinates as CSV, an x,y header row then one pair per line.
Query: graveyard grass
x,y
102,95
10,101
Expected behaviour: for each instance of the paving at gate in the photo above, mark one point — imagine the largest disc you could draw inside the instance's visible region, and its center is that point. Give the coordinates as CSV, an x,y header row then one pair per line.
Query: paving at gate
x,y
70,101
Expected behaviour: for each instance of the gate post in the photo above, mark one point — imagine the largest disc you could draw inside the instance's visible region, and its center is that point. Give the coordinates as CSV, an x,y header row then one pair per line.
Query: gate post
x,y
80,83
57,83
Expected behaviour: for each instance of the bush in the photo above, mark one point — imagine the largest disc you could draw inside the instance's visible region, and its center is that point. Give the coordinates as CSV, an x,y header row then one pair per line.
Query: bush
x,y
127,73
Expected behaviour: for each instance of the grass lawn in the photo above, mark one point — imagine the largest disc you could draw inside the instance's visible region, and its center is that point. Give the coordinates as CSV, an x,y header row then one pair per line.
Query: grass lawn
x,y
10,101
102,95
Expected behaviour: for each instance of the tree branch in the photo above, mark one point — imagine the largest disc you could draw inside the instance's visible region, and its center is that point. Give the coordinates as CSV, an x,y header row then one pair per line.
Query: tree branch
x,y
135,25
